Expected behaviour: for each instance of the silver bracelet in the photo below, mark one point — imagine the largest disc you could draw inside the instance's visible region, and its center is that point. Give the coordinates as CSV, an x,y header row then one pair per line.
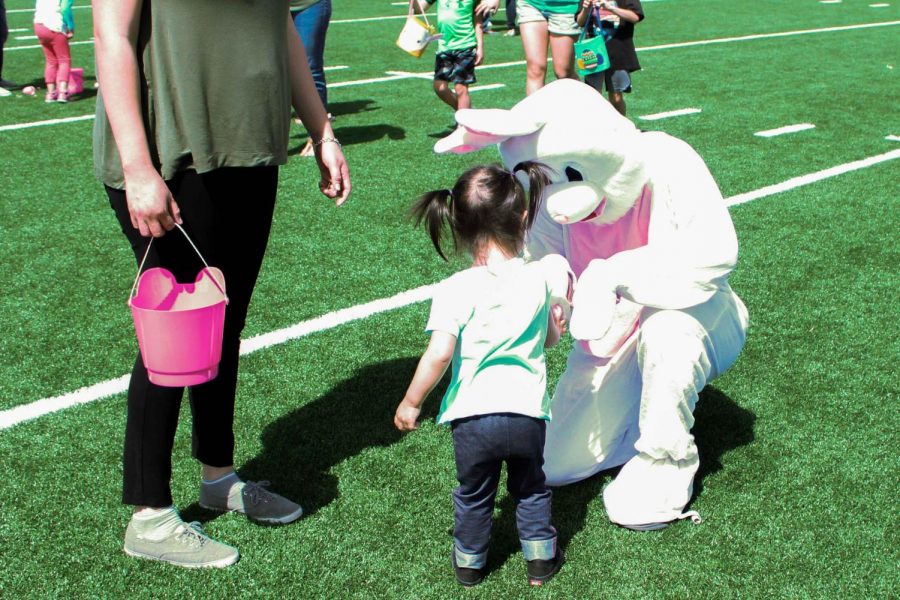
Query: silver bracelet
x,y
327,139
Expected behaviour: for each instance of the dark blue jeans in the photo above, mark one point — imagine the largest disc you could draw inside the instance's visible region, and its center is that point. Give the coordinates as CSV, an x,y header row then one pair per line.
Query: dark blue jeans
x,y
482,444
312,25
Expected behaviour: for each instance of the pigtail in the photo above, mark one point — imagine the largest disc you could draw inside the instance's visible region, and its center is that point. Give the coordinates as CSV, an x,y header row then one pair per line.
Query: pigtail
x,y
538,179
433,208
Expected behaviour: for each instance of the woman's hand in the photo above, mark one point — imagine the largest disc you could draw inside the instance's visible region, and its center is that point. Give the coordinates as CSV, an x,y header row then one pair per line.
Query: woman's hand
x,y
152,208
335,181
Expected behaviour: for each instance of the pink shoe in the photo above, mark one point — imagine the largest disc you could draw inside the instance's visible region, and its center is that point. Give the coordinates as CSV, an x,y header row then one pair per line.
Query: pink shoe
x,y
50,97
62,97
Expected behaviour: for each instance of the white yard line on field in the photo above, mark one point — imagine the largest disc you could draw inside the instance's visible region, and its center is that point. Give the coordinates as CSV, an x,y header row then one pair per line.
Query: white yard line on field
x,y
27,412
671,113
484,88
796,182
26,37
31,10
893,138
784,130
726,40
38,46
16,126
763,36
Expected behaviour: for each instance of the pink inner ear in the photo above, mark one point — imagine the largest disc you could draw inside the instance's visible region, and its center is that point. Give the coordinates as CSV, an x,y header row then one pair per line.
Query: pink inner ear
x,y
464,140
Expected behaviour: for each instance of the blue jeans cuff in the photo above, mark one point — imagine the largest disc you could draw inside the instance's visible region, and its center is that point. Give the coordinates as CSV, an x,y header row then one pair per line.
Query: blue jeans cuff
x,y
539,549
469,561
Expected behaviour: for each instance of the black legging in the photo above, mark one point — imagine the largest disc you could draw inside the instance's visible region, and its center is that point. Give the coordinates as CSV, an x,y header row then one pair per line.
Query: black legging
x,y
228,214
4,33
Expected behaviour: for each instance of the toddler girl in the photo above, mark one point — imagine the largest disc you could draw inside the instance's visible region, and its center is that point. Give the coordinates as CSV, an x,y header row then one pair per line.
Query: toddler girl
x,y
53,25
492,321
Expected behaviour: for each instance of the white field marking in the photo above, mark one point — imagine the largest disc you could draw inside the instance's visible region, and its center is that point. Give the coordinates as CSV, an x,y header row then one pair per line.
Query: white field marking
x,y
335,68
812,178
371,19
783,130
104,389
762,36
879,5
20,30
642,49
893,138
368,81
42,123
408,75
671,113
38,46
26,37
27,412
830,1
31,10
484,88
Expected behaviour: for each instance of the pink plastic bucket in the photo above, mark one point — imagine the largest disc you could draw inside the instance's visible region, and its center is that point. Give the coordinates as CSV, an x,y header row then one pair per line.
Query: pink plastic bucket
x,y
179,325
76,80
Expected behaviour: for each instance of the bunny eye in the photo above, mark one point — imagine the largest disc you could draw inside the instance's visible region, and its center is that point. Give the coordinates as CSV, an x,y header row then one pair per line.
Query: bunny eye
x,y
573,174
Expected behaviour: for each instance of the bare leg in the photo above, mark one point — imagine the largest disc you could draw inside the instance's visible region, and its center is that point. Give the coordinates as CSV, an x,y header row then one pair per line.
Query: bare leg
x,y
443,91
534,43
463,100
562,48
618,101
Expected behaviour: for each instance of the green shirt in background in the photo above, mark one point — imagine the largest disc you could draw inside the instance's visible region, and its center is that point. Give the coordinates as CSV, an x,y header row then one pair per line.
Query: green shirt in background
x,y
557,7
215,87
456,23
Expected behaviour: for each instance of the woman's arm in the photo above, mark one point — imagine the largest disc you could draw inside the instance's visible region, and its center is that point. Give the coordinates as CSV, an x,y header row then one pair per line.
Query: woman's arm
x,y
151,206
335,182
431,368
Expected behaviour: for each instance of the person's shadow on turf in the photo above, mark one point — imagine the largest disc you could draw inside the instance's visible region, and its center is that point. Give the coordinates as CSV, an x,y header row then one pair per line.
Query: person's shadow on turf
x,y
721,426
301,447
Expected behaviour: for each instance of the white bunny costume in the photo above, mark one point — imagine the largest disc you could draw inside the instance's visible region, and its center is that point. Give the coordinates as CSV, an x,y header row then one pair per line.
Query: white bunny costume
x,y
645,229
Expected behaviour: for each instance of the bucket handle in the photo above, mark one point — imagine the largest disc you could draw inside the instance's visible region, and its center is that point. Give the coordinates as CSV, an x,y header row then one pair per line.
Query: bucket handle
x,y
410,13
191,242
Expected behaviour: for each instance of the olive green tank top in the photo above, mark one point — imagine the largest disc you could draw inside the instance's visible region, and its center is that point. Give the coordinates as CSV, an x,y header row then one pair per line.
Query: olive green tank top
x,y
215,87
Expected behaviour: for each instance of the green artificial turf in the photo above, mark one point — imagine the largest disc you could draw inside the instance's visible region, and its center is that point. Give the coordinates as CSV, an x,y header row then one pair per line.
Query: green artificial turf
x,y
797,484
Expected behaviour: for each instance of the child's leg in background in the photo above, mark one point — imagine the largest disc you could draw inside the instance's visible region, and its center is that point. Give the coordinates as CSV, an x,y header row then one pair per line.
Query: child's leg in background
x,y
64,58
527,484
479,444
463,100
597,81
443,91
51,64
619,84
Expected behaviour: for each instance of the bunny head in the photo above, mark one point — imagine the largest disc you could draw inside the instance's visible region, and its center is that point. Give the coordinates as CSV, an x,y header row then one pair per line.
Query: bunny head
x,y
567,125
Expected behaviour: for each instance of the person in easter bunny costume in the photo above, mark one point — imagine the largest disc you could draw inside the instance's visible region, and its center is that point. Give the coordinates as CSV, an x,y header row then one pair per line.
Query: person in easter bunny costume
x,y
644,227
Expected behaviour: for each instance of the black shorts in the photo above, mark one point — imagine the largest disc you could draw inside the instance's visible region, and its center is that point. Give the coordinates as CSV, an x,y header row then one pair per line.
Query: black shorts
x,y
455,66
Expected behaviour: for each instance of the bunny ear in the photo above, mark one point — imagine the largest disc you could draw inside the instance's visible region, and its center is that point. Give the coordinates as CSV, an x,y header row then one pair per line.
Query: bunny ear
x,y
464,140
480,128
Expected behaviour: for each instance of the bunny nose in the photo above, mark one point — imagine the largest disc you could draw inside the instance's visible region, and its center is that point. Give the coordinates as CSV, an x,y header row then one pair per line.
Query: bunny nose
x,y
571,201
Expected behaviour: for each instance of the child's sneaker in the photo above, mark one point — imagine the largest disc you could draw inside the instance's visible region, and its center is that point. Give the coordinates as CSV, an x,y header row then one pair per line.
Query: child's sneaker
x,y
467,577
62,97
50,97
186,546
541,571
250,498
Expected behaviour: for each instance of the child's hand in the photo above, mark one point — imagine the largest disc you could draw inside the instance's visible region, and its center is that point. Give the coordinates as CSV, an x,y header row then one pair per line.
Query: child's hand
x,y
479,57
406,416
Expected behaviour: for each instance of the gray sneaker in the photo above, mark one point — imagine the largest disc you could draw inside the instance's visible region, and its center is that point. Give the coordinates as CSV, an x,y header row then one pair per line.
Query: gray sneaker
x,y
255,501
187,547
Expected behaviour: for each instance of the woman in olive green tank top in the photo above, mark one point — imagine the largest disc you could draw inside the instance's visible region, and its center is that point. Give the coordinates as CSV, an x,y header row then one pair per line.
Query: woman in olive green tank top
x,y
192,123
